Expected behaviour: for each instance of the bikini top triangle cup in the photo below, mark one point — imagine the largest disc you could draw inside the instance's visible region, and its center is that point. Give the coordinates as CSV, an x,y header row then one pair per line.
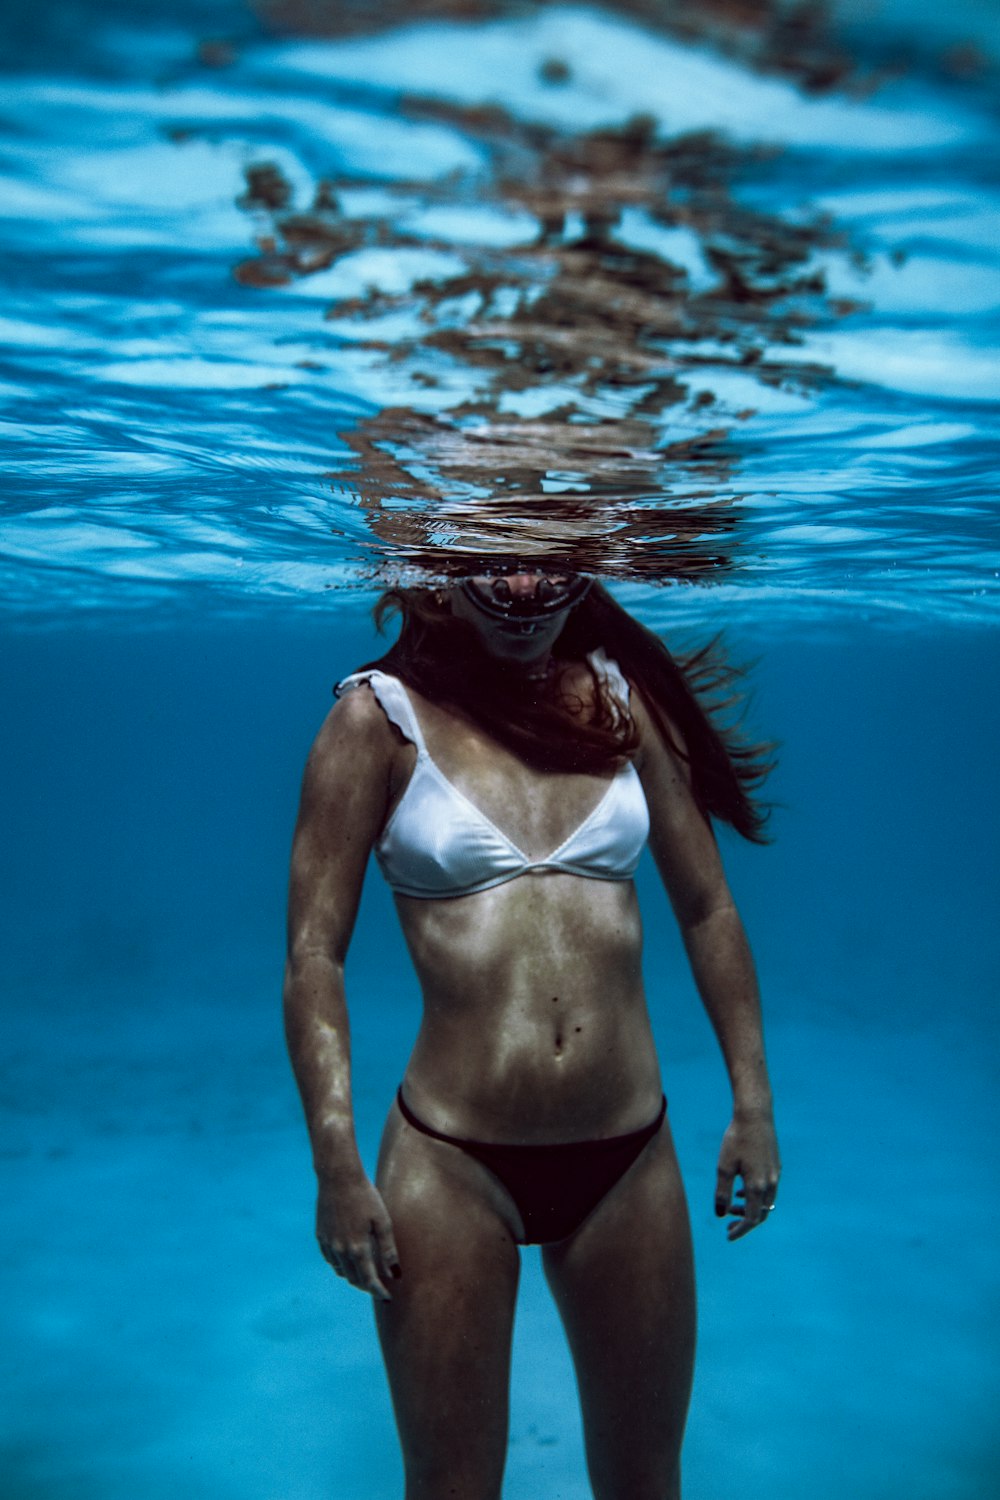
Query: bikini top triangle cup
x,y
438,844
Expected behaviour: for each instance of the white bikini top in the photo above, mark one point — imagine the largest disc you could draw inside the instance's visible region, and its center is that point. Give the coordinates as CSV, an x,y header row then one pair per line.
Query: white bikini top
x,y
438,844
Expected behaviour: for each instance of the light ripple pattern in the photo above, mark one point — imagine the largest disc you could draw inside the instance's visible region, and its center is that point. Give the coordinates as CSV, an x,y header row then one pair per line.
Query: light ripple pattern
x,y
202,409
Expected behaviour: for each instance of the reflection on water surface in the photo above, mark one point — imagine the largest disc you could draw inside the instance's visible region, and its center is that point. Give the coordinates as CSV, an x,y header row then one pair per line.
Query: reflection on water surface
x,y
669,292
619,272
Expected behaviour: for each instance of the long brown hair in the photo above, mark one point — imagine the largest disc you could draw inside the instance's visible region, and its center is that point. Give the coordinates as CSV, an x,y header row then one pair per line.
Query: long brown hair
x,y
690,698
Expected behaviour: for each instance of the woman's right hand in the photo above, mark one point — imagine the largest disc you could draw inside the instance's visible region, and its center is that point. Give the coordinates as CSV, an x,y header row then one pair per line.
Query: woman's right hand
x,y
355,1234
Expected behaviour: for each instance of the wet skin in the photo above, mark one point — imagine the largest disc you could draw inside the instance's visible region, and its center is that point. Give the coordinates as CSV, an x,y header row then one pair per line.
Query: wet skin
x,y
535,1029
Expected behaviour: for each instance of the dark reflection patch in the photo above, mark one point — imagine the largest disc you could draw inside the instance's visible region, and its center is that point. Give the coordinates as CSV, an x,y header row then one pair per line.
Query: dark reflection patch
x,y
575,363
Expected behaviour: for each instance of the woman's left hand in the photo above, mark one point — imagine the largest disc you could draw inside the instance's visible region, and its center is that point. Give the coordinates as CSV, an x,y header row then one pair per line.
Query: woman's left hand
x,y
750,1151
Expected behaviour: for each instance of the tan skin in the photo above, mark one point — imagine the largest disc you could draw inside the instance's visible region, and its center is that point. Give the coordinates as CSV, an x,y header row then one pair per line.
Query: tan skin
x,y
535,1030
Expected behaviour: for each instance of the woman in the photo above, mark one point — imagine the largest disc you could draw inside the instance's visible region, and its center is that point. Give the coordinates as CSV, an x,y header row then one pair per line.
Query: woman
x,y
505,760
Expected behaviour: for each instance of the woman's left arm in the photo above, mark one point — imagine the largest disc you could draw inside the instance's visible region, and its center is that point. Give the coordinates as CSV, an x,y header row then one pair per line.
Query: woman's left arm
x,y
687,856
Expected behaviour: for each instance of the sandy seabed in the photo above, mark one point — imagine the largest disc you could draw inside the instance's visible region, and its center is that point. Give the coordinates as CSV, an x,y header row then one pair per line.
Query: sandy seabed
x,y
170,1328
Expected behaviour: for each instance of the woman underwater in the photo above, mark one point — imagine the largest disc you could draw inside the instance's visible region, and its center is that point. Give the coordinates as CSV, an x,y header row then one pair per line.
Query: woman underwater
x,y
506,760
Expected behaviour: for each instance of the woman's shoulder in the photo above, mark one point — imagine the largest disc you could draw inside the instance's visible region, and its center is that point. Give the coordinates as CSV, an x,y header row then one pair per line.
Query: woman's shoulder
x,y
357,723
660,740
351,764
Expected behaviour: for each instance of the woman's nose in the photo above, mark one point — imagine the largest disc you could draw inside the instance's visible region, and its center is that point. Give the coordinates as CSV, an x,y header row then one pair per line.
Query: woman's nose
x,y
522,585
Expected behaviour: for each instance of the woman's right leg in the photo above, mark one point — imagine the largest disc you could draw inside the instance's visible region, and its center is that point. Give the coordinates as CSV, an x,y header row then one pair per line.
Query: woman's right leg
x,y
446,1334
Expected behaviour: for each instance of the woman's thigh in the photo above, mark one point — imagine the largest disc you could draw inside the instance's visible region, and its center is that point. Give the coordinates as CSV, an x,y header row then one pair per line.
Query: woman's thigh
x,y
446,1334
624,1285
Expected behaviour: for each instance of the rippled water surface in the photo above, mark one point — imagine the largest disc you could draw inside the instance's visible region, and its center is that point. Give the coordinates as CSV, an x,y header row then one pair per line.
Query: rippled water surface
x,y
313,297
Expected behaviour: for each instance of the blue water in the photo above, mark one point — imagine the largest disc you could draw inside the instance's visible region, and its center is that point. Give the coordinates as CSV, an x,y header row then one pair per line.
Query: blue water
x,y
218,448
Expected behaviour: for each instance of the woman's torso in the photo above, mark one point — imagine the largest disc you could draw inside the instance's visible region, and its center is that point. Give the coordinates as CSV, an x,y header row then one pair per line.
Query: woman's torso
x,y
535,1024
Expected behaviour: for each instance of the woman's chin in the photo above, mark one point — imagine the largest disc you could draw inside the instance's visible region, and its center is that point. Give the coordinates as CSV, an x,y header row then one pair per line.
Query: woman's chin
x,y
517,651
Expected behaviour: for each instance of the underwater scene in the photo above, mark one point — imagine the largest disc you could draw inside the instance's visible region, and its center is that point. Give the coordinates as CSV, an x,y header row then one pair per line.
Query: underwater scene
x,y
310,299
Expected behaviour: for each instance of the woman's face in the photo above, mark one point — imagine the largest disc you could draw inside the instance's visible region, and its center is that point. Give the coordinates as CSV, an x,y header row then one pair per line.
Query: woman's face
x,y
521,640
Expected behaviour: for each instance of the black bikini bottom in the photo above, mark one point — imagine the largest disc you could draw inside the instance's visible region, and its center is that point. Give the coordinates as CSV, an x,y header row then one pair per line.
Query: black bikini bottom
x,y
553,1187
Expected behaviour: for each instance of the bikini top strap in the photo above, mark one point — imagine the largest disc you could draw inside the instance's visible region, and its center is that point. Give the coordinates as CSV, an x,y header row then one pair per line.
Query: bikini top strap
x,y
612,674
393,699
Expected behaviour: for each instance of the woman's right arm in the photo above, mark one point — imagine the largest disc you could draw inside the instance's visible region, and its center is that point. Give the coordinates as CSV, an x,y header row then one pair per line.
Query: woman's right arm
x,y
346,791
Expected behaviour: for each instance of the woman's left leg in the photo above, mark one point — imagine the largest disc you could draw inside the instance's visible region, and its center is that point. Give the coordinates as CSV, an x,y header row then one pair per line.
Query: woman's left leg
x,y
624,1286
